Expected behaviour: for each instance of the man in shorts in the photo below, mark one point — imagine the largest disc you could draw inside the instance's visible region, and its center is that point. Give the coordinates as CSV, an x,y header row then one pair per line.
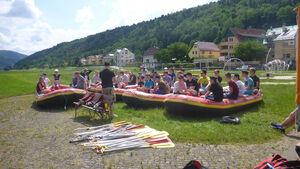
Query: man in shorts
x,y
108,78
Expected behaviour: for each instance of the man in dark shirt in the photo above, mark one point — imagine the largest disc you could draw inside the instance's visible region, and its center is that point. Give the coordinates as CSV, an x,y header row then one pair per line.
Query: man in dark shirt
x,y
233,92
254,78
215,89
132,79
107,78
191,84
217,74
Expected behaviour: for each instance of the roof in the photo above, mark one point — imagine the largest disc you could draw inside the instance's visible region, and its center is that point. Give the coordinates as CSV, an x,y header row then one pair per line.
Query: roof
x,y
249,32
290,34
151,51
207,46
278,30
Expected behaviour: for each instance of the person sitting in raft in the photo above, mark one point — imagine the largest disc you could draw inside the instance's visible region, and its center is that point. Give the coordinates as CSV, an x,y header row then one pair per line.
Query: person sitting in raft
x,y
172,75
215,91
255,78
149,84
119,79
74,81
203,82
167,79
132,79
81,82
140,80
240,84
56,78
143,71
249,84
41,86
233,92
124,80
46,80
217,74
96,79
192,85
180,86
162,88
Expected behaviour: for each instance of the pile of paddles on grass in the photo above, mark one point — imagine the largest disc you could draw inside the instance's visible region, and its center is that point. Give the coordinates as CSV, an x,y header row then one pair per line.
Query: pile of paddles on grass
x,y
121,136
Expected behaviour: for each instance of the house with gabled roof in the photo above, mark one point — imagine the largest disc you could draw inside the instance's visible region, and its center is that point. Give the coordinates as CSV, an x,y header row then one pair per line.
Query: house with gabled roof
x,y
236,35
148,58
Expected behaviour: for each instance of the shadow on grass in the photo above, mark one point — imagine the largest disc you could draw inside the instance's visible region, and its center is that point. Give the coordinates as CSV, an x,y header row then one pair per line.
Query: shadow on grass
x,y
54,109
195,118
83,117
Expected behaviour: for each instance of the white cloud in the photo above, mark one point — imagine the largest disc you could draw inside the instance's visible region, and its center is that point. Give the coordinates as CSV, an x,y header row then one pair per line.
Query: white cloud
x,y
23,9
127,12
84,16
23,29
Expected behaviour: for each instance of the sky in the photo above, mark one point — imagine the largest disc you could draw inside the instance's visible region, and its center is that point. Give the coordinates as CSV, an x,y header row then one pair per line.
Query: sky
x,y
28,26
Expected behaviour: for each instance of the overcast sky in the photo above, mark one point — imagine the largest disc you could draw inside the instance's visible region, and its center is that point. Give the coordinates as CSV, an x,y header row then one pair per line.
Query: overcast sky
x,y
28,26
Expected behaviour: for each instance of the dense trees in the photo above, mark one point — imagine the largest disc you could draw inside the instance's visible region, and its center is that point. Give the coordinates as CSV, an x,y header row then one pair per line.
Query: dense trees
x,y
204,23
177,51
250,51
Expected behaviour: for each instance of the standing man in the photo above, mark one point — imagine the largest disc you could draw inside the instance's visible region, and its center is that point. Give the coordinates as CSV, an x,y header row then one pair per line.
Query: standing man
x,y
108,78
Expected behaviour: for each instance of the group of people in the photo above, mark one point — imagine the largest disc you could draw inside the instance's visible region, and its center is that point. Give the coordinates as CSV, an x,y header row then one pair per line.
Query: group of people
x,y
209,87
181,83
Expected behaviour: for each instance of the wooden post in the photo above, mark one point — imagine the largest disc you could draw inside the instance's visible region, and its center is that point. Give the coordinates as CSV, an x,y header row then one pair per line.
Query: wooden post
x,y
297,99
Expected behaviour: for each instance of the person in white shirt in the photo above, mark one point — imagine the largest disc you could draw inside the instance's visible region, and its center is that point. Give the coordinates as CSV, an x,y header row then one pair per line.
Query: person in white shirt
x,y
46,80
180,86
96,78
240,84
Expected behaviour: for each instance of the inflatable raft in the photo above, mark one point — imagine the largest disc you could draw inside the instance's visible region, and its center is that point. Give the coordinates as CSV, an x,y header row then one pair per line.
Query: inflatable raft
x,y
119,92
199,106
59,97
138,99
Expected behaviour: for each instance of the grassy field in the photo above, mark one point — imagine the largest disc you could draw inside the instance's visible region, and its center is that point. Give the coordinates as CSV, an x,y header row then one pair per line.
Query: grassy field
x,y
254,127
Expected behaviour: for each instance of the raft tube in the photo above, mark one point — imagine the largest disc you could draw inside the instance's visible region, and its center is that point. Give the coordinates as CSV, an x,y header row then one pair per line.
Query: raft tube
x,y
119,92
138,99
199,106
60,97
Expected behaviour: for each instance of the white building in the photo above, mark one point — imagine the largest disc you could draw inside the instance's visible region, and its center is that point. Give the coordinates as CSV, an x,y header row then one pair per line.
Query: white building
x,y
123,57
148,58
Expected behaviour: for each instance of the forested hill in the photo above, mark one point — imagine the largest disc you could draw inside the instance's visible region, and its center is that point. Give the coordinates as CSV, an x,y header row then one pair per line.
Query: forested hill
x,y
9,58
205,23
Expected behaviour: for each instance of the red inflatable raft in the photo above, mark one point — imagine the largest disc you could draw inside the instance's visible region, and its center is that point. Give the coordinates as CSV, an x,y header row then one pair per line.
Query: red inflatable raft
x,y
138,99
119,92
59,97
190,105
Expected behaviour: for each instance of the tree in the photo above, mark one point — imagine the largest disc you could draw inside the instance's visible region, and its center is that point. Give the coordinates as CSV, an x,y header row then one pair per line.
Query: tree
x,y
178,50
250,51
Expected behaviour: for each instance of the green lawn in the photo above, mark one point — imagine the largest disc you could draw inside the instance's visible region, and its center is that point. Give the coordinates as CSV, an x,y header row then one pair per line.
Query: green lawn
x,y
254,127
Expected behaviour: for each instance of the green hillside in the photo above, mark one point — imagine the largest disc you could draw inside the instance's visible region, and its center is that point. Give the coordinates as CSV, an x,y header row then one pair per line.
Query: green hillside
x,y
9,58
205,23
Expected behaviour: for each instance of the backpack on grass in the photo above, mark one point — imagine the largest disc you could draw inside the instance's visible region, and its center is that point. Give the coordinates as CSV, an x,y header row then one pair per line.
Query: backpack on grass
x,y
278,162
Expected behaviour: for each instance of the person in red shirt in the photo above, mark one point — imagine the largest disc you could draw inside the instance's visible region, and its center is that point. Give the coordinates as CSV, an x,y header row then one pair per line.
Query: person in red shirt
x,y
233,92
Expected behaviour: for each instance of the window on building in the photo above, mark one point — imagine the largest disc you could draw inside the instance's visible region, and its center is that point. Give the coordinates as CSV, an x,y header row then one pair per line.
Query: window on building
x,y
196,52
195,46
202,52
291,43
287,56
126,52
230,39
193,52
147,60
230,47
230,55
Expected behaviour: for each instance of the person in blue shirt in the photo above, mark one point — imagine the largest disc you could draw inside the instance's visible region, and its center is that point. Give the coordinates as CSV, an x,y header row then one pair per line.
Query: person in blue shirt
x,y
249,84
148,85
172,75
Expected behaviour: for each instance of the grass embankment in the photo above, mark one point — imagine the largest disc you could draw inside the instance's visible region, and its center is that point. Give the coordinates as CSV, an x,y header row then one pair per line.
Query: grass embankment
x,y
254,127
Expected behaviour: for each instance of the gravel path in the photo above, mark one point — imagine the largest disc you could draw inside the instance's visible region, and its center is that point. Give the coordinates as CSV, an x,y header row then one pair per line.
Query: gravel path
x,y
31,138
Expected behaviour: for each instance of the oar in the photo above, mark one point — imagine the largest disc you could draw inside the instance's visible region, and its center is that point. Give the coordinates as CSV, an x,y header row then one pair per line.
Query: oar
x,y
116,124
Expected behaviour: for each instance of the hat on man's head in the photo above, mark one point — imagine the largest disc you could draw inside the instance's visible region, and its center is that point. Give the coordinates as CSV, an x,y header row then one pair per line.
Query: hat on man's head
x,y
106,64
189,74
44,74
56,70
